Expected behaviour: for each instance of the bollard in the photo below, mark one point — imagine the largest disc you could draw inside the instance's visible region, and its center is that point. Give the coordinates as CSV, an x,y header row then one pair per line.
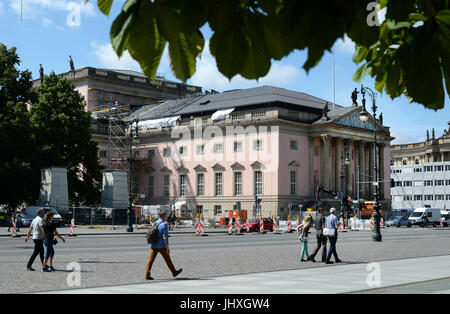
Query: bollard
x,y
261,225
289,223
230,226
72,226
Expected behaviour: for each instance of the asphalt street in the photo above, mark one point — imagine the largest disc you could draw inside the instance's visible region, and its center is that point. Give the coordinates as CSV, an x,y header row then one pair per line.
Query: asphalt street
x,y
121,260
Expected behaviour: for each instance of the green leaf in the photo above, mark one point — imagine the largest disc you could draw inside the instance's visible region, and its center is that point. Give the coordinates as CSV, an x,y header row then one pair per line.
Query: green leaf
x,y
145,43
361,72
122,24
183,50
105,6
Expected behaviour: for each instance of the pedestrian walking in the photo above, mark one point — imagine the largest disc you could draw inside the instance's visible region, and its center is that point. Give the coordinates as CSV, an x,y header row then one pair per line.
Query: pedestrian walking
x,y
162,247
10,222
319,225
331,224
37,228
304,230
49,241
18,222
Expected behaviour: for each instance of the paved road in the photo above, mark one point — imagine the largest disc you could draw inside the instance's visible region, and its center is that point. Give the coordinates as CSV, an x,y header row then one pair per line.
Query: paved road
x,y
120,260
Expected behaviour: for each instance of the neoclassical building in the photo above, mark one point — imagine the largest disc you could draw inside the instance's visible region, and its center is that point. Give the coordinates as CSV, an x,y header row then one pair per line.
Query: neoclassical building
x,y
210,151
421,173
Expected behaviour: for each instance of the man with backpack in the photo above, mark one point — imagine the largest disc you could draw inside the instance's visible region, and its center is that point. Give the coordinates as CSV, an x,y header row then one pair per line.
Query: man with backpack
x,y
158,236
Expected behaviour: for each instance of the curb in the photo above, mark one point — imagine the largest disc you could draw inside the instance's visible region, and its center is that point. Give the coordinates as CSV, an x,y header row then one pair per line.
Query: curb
x,y
114,233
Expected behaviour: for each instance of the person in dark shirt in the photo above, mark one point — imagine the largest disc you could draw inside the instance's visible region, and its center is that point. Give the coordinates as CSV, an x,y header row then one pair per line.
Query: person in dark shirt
x,y
319,224
49,241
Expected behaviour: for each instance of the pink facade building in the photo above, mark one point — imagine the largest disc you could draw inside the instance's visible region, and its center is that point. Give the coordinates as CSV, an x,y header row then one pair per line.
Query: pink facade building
x,y
209,152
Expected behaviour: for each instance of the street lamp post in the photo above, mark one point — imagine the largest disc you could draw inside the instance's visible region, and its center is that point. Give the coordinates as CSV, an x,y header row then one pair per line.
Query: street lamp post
x,y
364,116
345,161
132,135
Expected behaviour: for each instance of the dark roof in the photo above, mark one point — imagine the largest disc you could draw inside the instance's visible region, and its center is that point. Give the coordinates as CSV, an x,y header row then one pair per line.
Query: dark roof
x,y
228,100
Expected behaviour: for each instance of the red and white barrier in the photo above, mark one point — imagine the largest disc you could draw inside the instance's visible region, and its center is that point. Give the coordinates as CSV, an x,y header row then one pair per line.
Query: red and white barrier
x,y
381,222
197,226
341,224
261,225
248,226
371,225
72,226
274,224
289,229
230,226
201,226
14,230
238,226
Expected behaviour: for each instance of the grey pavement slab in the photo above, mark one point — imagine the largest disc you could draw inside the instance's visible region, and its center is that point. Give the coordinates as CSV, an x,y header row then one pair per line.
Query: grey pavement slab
x,y
335,279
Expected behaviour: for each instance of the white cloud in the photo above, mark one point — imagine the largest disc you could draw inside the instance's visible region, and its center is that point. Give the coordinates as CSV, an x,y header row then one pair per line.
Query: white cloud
x,y
46,22
34,9
2,10
402,138
345,45
208,76
108,58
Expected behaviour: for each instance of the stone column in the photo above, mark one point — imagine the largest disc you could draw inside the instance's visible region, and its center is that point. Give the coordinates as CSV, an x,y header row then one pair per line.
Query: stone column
x,y
325,156
381,171
311,166
335,163
371,170
349,169
339,148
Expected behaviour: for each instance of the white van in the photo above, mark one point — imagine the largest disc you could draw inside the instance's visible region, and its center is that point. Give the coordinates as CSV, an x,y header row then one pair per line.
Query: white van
x,y
445,216
420,215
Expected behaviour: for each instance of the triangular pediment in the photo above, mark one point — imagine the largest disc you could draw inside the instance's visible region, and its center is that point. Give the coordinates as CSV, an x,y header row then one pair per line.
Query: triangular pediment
x,y
218,167
165,169
200,168
182,169
351,119
294,164
237,166
257,165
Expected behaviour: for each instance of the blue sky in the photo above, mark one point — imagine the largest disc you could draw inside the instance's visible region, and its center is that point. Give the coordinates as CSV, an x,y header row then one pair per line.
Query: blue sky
x,y
45,36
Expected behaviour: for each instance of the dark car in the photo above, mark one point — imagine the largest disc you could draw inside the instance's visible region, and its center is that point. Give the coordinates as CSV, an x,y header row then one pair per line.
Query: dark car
x,y
32,212
25,219
398,222
254,225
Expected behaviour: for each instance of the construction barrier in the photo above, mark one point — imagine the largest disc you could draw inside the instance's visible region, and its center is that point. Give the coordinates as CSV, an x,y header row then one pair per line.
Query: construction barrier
x,y
248,226
238,226
381,222
289,224
341,224
201,226
261,225
274,224
72,226
197,226
371,225
14,230
230,226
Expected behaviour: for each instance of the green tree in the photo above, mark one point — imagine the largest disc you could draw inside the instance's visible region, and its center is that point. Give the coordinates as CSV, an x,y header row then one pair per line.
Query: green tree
x,y
17,176
62,132
409,53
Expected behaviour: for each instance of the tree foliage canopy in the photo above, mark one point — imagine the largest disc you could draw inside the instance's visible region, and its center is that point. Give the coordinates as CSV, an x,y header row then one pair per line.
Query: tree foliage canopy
x,y
42,128
409,53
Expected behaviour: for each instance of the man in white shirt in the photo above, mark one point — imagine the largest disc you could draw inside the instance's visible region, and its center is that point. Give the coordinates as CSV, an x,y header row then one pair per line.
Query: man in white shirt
x,y
37,227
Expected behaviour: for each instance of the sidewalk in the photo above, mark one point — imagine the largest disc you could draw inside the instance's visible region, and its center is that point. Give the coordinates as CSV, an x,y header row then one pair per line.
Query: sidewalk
x,y
108,230
347,278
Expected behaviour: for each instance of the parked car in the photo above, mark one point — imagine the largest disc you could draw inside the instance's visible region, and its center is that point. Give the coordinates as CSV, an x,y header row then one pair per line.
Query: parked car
x,y
25,219
445,216
398,222
420,216
31,211
254,225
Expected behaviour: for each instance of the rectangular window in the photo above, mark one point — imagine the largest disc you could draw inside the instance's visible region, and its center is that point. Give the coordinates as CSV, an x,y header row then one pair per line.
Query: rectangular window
x,y
237,183
447,168
438,168
218,178
428,182
447,182
183,179
182,150
293,145
136,182
258,182
258,145
200,149
447,197
417,169
407,197
200,184
418,197
428,169
103,154
429,197
293,182
218,148
166,152
398,184
217,209
407,183
237,147
438,182
166,185
439,197
151,153
151,186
